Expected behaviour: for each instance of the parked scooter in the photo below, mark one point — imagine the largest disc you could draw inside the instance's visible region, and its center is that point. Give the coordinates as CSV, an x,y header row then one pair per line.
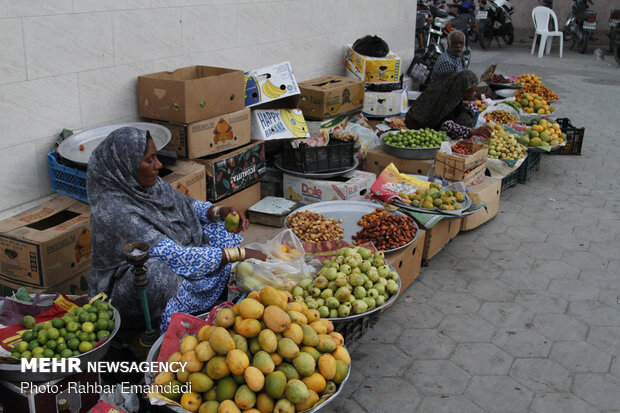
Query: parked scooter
x,y
614,27
580,25
465,20
494,20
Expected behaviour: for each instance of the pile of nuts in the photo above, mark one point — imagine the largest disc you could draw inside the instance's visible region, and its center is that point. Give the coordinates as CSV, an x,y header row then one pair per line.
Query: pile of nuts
x,y
385,231
314,227
501,116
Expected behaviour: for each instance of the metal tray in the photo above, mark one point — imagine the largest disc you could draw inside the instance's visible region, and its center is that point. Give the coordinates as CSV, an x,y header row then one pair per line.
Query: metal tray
x,y
12,372
154,352
91,138
323,175
351,212
457,214
408,153
374,310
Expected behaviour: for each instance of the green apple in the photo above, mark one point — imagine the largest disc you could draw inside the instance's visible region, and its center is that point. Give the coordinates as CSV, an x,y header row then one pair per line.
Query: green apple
x,y
231,223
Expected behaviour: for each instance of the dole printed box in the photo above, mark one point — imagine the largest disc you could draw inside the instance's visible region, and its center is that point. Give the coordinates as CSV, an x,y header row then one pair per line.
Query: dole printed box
x,y
354,186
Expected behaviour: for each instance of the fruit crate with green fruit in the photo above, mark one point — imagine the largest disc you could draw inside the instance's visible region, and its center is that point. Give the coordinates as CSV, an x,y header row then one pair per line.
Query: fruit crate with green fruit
x,y
574,138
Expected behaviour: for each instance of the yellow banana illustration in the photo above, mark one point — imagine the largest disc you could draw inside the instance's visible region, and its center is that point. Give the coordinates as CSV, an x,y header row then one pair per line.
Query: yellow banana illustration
x,y
271,90
294,120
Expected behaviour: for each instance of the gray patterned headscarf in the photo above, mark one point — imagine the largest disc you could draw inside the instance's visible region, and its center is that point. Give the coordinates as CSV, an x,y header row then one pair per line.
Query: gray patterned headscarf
x,y
122,211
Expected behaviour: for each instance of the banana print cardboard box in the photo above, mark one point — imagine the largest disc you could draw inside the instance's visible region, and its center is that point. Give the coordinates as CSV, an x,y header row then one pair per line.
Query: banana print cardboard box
x,y
270,124
372,69
354,185
47,244
271,83
233,171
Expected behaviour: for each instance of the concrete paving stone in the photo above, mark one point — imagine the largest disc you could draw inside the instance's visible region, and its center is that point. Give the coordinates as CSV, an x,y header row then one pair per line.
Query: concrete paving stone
x,y
555,268
513,219
540,211
380,360
526,233
426,344
610,297
454,303
526,279
552,226
607,249
560,402
541,302
492,290
600,390
509,207
541,375
559,327
605,338
499,242
573,290
593,313
482,359
568,242
418,293
492,227
346,405
615,367
585,260
499,394
468,250
540,250
464,328
614,265
585,200
356,378
412,315
442,261
444,280
522,342
447,404
610,223
438,377
379,395
579,218
506,314
601,232
382,330
580,357
603,279
511,259
478,269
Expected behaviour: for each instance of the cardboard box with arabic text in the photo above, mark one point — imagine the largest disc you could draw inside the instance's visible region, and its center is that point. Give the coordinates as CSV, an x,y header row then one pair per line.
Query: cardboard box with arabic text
x,y
328,96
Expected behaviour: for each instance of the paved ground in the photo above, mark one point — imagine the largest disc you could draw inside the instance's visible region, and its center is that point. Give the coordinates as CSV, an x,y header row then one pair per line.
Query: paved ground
x,y
521,314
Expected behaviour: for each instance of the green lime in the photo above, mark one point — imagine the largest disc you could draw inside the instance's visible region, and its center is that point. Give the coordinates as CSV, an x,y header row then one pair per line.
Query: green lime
x,y
53,333
37,356
72,327
63,332
16,354
33,344
110,325
60,340
92,337
83,317
102,333
21,346
68,336
83,336
101,305
76,353
60,347
48,353
101,324
47,324
92,317
58,323
92,309
27,336
28,321
57,356
37,350
42,337
103,315
73,343
38,328
51,344
66,353
88,327
26,355
85,307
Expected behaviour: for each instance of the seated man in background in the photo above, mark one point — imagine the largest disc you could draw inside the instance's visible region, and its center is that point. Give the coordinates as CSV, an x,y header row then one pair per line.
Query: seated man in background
x,y
452,59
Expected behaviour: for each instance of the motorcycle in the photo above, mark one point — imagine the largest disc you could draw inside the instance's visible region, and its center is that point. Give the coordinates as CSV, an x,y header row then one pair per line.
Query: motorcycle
x,y
494,20
614,28
465,20
580,25
422,25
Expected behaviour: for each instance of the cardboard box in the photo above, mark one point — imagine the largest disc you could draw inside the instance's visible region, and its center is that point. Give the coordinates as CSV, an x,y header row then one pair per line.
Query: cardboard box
x,y
47,244
382,104
316,127
408,261
354,185
271,83
372,69
76,285
439,235
329,96
233,171
377,160
243,199
187,177
270,124
466,168
211,136
190,94
489,189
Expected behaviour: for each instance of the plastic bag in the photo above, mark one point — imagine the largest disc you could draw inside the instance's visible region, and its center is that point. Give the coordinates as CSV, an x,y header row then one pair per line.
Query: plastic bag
x,y
285,265
371,46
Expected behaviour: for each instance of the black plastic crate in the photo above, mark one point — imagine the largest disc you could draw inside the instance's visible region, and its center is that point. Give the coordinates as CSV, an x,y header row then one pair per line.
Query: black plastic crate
x,y
334,156
529,165
510,180
574,138
352,330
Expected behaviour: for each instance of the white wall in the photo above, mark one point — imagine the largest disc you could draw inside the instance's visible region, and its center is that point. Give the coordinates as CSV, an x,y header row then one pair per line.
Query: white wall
x,y
74,63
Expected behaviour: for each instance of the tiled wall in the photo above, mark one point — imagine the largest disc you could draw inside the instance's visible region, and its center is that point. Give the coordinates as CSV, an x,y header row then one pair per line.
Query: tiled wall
x,y
74,63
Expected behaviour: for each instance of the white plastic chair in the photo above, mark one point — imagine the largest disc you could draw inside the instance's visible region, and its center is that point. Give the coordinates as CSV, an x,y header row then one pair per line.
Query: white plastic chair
x,y
540,16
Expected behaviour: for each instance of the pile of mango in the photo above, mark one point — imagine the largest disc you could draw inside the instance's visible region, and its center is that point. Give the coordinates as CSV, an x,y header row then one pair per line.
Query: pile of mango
x,y
435,197
529,79
265,354
532,103
544,132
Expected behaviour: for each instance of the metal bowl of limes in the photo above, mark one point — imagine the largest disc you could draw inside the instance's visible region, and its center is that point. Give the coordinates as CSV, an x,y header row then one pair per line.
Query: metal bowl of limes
x,y
13,371
405,152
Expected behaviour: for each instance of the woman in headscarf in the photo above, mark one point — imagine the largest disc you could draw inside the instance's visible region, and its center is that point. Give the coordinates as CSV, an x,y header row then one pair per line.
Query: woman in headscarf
x,y
191,252
442,106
